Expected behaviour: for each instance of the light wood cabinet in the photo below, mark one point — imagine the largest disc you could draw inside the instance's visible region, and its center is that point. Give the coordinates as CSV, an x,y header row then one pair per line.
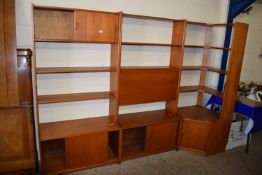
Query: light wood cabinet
x,y
86,150
95,26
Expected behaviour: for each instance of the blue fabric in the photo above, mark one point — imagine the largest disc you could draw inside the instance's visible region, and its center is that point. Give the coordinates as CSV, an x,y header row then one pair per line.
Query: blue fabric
x,y
255,113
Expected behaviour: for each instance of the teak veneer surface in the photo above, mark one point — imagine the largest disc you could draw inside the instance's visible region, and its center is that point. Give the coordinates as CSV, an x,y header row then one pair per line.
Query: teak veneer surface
x,y
69,128
140,119
198,113
59,98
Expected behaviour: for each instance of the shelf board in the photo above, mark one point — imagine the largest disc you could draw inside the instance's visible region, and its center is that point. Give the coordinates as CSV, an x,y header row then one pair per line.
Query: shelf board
x,y
147,68
197,23
206,47
198,113
72,41
213,69
69,128
148,17
147,44
55,70
191,68
140,119
210,91
188,88
59,98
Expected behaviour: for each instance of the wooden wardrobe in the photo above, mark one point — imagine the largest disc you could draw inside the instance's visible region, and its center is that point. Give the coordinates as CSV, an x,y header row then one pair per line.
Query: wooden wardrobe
x,y
16,101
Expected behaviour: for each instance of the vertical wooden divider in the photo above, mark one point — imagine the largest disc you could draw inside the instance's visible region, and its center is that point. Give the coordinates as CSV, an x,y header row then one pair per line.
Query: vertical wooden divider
x,y
114,82
176,58
204,63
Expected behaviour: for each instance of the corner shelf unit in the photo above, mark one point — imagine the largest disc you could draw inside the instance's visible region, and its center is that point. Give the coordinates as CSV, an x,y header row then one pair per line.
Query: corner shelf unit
x,y
72,145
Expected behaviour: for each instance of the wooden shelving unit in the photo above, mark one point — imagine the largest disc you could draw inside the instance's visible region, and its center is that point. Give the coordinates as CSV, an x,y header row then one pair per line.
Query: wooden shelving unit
x,y
72,145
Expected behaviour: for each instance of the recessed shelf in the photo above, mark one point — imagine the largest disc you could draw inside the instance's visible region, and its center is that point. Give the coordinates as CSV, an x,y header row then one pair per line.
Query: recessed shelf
x,y
72,41
69,128
59,98
148,44
198,113
54,70
140,119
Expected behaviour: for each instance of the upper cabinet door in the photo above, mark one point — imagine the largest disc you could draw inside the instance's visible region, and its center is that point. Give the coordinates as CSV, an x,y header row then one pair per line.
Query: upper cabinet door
x,y
95,26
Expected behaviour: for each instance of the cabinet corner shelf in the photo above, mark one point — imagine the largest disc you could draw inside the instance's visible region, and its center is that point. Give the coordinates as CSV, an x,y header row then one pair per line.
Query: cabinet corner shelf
x,y
56,70
140,119
69,128
59,98
198,113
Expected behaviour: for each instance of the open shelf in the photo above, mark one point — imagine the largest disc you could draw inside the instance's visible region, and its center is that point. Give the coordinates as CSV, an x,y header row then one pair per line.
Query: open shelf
x,y
140,119
133,141
72,41
147,17
53,155
54,70
198,113
59,98
63,129
148,44
147,68
204,68
206,47
210,91
191,67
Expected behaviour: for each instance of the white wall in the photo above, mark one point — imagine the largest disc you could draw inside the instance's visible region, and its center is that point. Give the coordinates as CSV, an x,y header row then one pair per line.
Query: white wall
x,y
211,11
252,65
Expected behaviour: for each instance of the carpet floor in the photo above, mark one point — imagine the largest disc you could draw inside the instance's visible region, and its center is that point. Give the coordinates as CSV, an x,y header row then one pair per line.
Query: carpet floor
x,y
231,162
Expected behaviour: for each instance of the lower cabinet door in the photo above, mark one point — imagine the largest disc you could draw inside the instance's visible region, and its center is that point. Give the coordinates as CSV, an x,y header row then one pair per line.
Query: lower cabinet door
x,y
161,137
16,140
194,135
85,150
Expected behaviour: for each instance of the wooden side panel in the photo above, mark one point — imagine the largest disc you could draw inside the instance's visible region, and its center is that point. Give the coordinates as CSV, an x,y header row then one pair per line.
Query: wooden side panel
x,y
143,86
195,135
16,144
95,26
52,24
234,69
161,137
87,150
176,58
3,83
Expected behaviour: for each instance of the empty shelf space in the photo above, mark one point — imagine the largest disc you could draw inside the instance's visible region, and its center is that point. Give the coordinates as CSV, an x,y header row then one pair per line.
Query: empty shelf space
x,y
139,119
198,113
59,98
63,129
188,88
210,91
147,44
54,70
72,41
191,68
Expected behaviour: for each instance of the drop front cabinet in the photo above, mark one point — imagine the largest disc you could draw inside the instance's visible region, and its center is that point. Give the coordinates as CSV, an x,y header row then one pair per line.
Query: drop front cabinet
x,y
77,144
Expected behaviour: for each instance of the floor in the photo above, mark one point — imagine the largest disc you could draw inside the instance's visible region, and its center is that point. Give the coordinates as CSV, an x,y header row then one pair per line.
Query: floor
x,y
232,162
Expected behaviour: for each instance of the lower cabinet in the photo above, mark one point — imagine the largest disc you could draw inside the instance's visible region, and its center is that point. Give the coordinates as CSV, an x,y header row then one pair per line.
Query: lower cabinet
x,y
161,137
86,150
194,135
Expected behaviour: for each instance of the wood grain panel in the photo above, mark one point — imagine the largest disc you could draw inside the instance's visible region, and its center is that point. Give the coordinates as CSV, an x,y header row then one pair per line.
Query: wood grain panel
x,y
3,83
87,149
150,85
53,24
95,26
195,135
161,137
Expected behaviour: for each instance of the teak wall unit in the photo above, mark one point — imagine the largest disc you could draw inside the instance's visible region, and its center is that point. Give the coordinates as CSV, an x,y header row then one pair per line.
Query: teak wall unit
x,y
76,144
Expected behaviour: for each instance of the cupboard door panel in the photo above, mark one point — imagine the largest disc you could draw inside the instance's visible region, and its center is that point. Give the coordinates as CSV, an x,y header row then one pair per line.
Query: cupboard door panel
x,y
161,137
16,143
95,26
87,150
195,135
